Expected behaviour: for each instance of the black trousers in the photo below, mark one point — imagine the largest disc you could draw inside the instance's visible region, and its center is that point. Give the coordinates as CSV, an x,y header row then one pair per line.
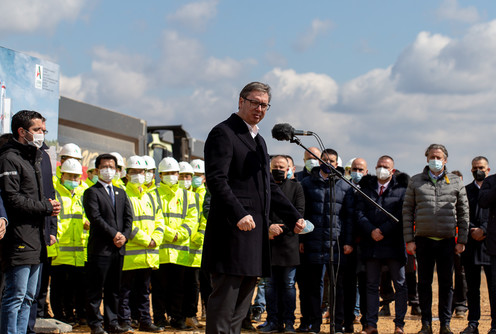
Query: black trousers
x,y
67,292
473,277
104,274
432,253
137,281
229,302
191,291
168,292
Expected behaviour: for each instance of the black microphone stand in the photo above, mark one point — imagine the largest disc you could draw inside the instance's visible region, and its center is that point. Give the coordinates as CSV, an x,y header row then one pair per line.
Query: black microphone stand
x,y
335,174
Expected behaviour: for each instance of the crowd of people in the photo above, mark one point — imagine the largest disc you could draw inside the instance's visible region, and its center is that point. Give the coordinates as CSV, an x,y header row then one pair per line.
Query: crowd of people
x,y
149,240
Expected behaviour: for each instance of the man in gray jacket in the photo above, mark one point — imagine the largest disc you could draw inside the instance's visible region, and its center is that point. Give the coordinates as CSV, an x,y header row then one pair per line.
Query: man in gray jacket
x,y
435,205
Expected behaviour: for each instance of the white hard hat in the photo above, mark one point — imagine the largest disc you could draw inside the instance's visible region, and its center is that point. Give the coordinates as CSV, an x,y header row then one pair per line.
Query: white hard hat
x,y
71,150
136,162
92,165
150,162
348,164
198,166
185,168
168,164
120,160
72,166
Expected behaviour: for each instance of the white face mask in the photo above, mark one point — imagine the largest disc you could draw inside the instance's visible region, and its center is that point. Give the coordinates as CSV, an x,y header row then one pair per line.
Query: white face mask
x,y
185,184
106,174
382,173
149,177
170,179
38,139
311,163
137,179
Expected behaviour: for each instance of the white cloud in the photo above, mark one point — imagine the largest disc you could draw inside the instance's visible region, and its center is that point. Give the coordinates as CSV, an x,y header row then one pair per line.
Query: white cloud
x,y
450,10
25,16
317,28
195,15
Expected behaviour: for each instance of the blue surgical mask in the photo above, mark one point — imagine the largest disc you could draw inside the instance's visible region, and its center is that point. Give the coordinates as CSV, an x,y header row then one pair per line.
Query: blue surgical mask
x,y
71,185
94,179
311,163
356,176
197,181
290,173
436,165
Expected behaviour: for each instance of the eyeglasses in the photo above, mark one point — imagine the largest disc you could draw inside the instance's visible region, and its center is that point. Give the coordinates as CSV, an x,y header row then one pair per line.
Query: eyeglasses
x,y
255,104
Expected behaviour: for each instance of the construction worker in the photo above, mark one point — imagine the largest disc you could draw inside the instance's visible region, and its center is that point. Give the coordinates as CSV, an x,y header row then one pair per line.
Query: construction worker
x,y
181,219
68,151
68,253
120,173
196,245
191,273
149,173
142,248
92,177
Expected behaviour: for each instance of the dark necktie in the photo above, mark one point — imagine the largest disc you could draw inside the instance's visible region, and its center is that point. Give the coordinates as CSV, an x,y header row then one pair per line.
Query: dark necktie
x,y
381,190
111,194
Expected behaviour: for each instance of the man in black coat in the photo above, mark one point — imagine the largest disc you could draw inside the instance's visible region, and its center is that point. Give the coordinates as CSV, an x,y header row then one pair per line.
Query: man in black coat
x,y
23,248
236,247
280,292
476,255
110,214
382,239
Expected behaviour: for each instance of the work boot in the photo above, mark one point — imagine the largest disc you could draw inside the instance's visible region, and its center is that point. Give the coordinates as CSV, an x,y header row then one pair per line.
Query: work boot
x,y
426,328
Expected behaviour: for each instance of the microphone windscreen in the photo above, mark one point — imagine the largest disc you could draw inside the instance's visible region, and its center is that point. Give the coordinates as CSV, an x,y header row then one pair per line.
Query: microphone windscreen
x,y
282,131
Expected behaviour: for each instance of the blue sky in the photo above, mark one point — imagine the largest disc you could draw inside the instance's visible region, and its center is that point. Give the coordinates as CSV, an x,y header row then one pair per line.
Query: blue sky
x,y
369,77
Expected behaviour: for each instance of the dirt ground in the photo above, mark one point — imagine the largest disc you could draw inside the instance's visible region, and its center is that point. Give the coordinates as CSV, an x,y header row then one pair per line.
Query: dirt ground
x,y
386,324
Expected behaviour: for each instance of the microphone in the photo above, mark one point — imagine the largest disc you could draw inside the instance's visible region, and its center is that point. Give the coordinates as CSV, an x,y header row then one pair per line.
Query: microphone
x,y
284,131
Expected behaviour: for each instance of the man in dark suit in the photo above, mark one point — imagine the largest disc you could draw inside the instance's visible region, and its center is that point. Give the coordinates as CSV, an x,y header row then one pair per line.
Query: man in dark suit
x,y
110,214
236,248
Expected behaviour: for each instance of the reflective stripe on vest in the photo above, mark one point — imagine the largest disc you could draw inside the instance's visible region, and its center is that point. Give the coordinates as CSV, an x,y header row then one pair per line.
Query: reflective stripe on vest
x,y
195,251
139,218
133,233
187,228
141,251
176,247
70,249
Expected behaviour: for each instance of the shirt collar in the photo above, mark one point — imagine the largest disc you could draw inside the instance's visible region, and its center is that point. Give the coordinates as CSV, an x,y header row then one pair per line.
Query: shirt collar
x,y
253,129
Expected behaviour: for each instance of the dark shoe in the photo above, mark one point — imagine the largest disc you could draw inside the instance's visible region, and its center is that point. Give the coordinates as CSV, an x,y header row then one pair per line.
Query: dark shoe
x,y
385,311
193,322
150,327
269,328
127,327
338,329
247,326
180,324
399,330
349,329
471,329
416,310
304,328
445,329
98,330
256,315
371,329
426,328
162,323
289,328
116,329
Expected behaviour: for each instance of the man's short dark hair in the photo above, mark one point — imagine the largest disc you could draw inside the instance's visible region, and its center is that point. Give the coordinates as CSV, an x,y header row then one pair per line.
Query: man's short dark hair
x,y
255,86
105,156
437,147
23,119
480,157
329,151
290,158
457,172
386,157
279,156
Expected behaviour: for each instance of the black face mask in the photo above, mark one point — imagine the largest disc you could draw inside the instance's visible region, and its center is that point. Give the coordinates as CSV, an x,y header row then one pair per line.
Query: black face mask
x,y
479,175
278,175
